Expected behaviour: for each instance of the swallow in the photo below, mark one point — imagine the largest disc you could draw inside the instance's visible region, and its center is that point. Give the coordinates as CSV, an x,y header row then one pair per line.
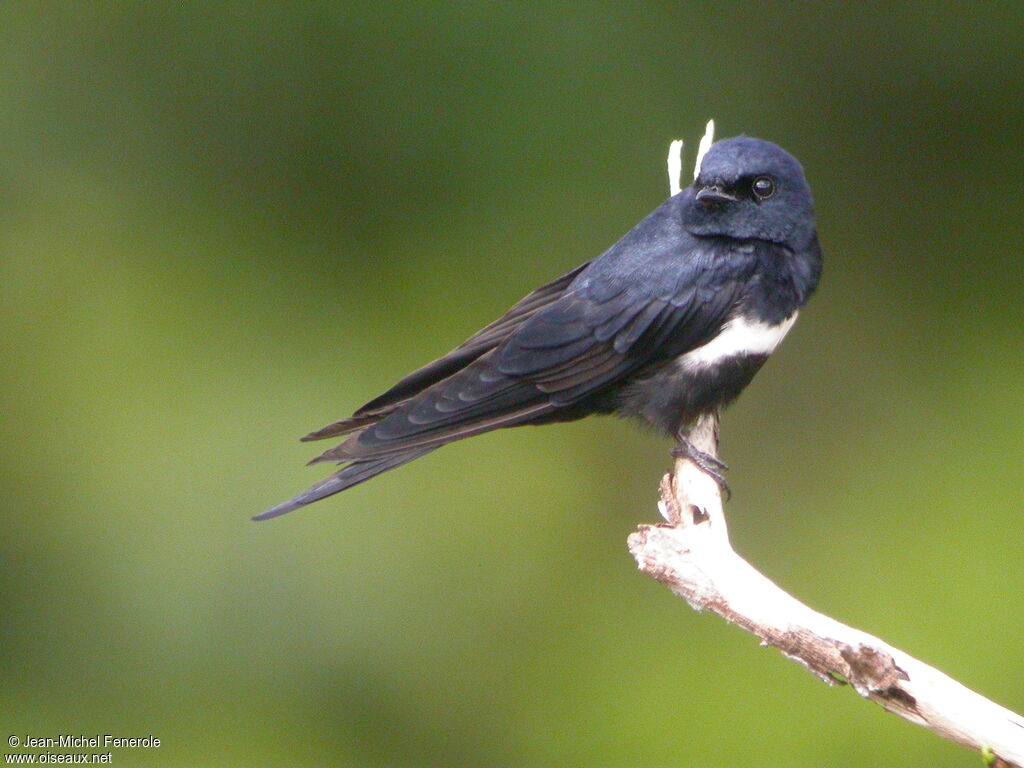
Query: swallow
x,y
668,325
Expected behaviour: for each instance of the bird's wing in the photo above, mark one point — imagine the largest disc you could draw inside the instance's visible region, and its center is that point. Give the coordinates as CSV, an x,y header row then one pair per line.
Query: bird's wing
x,y
480,343
590,339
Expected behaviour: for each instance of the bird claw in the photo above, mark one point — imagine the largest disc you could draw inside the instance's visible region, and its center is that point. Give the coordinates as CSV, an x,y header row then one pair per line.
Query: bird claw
x,y
710,465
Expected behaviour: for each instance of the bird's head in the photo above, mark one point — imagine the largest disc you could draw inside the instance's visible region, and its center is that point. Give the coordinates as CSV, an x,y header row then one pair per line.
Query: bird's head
x,y
750,189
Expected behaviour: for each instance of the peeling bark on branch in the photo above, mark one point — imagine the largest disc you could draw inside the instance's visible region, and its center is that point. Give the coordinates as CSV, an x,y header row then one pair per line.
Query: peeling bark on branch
x,y
693,557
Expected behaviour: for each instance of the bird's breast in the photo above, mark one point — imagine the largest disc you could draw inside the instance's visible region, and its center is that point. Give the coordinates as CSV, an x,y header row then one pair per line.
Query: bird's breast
x,y
740,337
703,379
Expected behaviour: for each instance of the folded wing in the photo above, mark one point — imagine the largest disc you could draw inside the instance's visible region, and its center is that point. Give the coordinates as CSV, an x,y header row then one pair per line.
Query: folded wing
x,y
587,341
557,354
479,344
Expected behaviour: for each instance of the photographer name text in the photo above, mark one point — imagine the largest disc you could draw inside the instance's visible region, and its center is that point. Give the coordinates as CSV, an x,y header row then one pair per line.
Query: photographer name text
x,y
69,741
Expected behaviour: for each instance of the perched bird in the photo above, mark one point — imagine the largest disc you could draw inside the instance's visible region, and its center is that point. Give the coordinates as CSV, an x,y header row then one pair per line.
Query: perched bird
x,y
669,324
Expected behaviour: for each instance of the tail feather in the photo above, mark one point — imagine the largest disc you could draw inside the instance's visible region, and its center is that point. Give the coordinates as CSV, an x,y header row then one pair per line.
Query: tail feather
x,y
345,426
353,474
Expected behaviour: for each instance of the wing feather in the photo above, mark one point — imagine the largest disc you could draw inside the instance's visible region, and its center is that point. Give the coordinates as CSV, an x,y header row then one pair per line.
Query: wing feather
x,y
657,293
479,344
520,381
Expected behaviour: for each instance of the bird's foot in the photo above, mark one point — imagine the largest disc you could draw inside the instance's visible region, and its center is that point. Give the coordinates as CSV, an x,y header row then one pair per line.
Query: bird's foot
x,y
708,464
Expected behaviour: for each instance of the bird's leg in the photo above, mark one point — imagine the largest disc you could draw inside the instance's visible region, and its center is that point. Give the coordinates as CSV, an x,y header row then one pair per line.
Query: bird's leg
x,y
708,464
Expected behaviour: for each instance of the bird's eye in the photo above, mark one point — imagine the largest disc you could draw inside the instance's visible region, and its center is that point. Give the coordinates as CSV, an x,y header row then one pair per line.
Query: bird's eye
x,y
763,187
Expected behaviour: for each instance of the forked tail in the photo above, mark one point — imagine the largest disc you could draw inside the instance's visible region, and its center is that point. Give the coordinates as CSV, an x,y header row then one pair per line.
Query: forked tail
x,y
353,474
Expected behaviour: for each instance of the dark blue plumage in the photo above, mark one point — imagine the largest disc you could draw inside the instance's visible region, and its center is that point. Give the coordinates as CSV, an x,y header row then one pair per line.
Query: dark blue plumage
x,y
670,323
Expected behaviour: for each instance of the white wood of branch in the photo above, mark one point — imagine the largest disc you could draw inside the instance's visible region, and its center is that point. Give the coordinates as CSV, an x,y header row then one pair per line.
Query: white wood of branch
x,y
675,167
705,144
675,158
692,556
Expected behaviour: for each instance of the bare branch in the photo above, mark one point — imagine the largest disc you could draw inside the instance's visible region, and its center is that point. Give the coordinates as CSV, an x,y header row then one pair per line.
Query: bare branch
x,y
705,144
675,167
675,158
693,557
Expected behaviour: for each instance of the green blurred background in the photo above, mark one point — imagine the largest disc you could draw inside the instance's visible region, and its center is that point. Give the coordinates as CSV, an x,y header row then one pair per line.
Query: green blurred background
x,y
223,225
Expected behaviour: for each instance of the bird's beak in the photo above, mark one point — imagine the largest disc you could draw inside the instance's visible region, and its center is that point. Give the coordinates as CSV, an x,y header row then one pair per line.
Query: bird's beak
x,y
715,194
